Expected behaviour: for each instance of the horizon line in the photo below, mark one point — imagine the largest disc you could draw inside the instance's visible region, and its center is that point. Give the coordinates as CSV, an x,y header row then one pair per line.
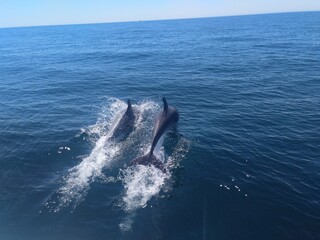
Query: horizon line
x,y
154,20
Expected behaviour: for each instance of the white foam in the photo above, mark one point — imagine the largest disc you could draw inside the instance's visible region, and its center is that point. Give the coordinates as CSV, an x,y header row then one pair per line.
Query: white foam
x,y
80,177
141,183
77,182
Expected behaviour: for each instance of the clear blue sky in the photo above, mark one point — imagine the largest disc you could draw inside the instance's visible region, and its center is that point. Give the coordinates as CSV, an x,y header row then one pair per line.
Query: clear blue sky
x,y
55,12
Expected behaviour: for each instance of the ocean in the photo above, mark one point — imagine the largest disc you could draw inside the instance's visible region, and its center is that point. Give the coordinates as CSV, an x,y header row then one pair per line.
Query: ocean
x,y
244,164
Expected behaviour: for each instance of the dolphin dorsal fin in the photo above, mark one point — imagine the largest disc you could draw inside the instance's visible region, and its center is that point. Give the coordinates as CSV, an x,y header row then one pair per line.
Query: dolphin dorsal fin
x,y
165,104
129,106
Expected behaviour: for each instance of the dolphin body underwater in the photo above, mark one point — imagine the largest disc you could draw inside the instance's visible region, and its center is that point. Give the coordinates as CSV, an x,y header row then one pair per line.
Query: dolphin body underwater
x,y
167,119
125,126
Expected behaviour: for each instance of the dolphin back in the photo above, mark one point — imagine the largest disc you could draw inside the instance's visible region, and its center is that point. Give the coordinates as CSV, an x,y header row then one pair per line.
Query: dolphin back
x,y
126,124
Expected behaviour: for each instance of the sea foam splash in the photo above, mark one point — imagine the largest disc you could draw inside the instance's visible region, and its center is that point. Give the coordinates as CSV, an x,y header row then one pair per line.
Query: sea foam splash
x,y
141,183
78,181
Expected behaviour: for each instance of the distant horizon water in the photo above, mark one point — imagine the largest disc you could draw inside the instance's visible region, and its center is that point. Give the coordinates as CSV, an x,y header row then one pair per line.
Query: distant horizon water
x,y
165,19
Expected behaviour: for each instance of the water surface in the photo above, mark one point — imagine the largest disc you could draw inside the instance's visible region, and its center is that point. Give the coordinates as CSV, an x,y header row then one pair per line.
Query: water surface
x,y
245,164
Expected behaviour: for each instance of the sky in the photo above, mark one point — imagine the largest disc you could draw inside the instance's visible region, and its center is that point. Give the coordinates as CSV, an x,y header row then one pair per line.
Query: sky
x,y
16,13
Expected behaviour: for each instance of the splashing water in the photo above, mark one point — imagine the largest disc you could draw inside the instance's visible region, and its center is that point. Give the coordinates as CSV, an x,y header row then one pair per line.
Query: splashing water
x,y
141,183
80,177
77,182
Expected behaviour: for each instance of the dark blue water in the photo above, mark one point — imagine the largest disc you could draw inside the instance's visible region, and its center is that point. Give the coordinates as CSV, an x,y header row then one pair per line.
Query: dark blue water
x,y
246,161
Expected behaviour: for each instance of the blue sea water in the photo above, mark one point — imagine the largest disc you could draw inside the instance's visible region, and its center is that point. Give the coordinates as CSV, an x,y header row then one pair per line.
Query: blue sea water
x,y
245,163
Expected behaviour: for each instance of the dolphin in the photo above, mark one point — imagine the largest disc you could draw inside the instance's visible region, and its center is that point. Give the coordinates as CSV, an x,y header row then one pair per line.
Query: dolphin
x,y
125,126
167,119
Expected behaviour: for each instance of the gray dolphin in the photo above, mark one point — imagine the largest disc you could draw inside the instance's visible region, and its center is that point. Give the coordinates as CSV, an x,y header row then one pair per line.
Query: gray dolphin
x,y
167,118
125,126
